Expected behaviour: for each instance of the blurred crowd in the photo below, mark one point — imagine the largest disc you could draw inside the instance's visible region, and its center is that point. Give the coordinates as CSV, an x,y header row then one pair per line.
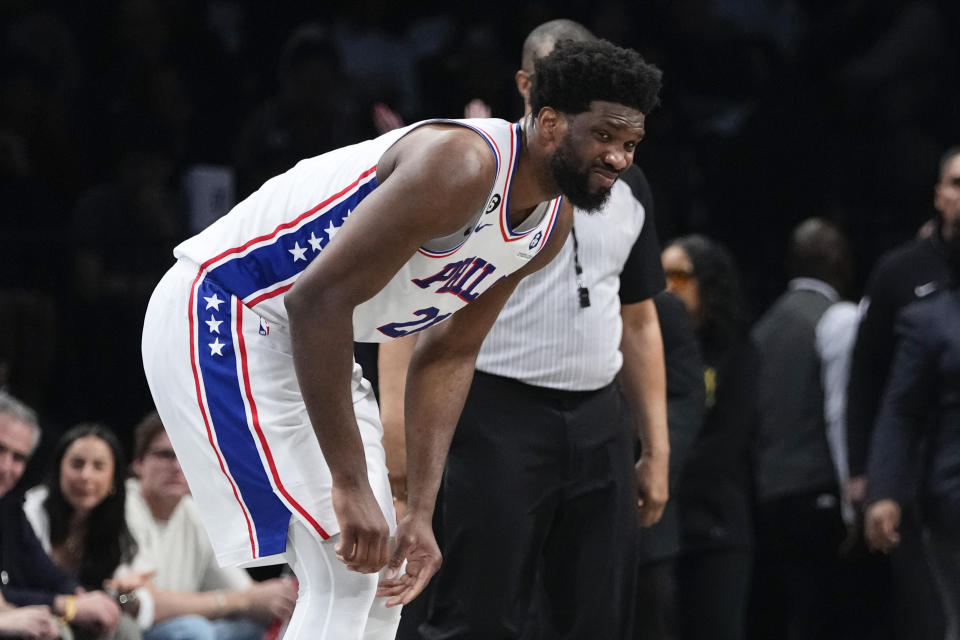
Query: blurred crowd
x,y
128,125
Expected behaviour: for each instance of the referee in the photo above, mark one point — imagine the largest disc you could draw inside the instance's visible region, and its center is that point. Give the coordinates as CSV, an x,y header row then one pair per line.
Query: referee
x,y
541,491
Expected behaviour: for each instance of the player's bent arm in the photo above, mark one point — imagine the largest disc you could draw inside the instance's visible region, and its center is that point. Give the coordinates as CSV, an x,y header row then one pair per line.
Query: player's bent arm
x,y
393,360
441,371
439,376
431,182
643,380
434,180
437,382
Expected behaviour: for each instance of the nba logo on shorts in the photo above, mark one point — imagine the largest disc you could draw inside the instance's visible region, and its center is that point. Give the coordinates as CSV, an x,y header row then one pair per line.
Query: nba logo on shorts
x,y
264,328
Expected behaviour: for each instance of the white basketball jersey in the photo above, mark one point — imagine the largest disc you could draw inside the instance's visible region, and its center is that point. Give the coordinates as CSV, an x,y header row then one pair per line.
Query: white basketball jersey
x,y
261,247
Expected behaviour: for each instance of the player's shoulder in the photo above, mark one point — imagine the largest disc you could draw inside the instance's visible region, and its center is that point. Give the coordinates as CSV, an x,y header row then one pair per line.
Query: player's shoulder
x,y
460,136
447,149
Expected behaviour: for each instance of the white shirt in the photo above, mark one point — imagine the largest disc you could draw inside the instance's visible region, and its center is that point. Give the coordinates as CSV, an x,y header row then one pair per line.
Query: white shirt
x,y
835,335
178,549
40,523
542,336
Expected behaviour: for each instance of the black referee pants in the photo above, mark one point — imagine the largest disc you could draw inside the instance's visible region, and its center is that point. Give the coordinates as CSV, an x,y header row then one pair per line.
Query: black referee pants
x,y
538,518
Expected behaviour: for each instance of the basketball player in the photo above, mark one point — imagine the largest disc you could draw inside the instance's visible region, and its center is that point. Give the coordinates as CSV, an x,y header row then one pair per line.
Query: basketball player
x,y
545,441
248,338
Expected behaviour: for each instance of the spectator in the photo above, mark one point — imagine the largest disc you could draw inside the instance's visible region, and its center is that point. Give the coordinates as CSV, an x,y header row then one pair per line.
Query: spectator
x,y
714,494
30,577
912,271
908,273
922,402
194,597
800,526
34,621
78,513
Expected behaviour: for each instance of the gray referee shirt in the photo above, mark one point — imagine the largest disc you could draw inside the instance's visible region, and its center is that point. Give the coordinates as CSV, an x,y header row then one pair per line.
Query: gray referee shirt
x,y
543,336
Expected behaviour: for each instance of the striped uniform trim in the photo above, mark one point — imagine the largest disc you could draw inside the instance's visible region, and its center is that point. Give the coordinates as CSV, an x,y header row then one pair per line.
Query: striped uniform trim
x,y
231,419
268,265
254,421
554,212
201,403
499,160
508,234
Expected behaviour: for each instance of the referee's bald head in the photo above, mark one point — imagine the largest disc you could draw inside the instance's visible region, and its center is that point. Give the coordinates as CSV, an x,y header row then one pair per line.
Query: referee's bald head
x,y
541,40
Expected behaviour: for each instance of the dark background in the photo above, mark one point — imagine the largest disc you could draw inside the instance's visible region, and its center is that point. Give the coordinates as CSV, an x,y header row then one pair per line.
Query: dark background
x,y
771,112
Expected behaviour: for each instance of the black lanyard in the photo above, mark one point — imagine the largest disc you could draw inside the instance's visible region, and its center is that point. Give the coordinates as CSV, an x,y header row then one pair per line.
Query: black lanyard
x,y
582,292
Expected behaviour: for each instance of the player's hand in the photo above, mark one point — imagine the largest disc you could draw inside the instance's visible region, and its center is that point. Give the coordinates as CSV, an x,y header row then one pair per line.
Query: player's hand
x,y
364,535
880,524
416,545
653,485
34,622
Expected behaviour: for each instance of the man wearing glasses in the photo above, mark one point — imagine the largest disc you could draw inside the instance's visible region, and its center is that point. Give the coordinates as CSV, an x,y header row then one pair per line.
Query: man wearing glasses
x,y
191,595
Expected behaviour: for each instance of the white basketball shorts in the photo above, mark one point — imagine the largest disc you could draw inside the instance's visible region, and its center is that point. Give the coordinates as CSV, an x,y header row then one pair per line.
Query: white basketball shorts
x,y
224,385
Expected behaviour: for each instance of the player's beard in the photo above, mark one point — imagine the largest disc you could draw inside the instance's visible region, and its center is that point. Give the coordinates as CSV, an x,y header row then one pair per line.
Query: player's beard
x,y
574,183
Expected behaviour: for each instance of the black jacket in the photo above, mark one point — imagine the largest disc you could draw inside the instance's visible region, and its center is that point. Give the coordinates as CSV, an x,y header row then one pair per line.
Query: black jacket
x,y
715,492
27,574
922,401
902,276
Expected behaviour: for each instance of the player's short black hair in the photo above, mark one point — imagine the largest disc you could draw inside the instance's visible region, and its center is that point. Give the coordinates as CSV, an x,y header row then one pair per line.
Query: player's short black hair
x,y
575,74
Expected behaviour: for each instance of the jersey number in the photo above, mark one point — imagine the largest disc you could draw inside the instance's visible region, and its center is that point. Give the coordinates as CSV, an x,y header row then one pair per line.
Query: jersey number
x,y
430,317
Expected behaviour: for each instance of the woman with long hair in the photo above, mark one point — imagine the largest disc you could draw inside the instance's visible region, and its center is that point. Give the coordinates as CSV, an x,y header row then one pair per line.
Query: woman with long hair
x,y
714,494
78,512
